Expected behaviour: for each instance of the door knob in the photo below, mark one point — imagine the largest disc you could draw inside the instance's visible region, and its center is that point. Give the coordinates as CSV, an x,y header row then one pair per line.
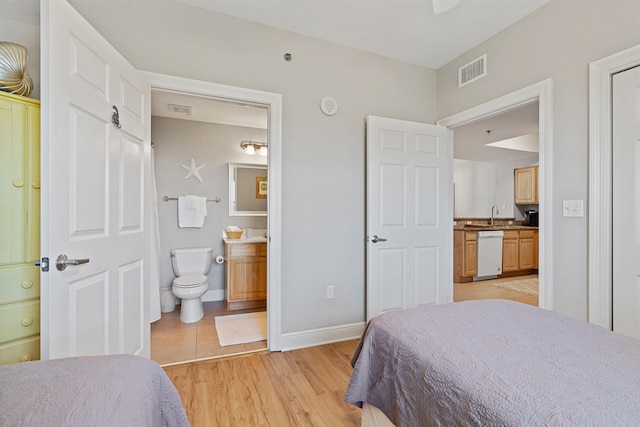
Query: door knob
x,y
63,261
376,239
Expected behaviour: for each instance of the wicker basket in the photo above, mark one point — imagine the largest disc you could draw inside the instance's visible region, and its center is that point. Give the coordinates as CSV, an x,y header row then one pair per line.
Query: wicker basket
x,y
234,235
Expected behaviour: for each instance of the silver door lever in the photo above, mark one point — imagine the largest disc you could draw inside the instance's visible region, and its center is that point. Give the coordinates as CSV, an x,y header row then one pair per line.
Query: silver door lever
x,y
376,239
63,261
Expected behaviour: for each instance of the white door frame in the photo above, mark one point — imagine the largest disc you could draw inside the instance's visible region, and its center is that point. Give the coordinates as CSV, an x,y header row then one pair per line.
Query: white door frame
x,y
274,102
543,93
600,181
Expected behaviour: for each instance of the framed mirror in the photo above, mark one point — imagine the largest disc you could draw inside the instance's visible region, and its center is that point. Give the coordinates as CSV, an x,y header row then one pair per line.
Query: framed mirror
x,y
248,189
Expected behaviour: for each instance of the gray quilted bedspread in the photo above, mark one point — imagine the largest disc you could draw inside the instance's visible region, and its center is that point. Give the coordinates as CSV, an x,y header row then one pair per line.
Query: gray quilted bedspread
x,y
495,363
104,391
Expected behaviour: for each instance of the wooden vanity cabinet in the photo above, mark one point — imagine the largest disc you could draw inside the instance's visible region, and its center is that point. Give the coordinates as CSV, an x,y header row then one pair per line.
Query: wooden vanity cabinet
x,y
526,185
245,275
19,229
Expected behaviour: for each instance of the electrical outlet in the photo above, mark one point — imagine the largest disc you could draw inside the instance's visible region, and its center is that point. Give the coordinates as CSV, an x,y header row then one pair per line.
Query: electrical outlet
x,y
330,291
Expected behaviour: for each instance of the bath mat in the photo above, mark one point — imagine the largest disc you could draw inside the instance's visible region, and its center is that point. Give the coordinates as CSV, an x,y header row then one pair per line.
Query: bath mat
x,y
241,328
523,286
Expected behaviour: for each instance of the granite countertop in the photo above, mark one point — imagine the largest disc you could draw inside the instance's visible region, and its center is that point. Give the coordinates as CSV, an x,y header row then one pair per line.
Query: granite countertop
x,y
480,224
483,227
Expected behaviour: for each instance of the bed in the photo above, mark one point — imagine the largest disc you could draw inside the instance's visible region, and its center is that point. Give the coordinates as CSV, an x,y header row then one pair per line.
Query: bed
x,y
493,362
119,390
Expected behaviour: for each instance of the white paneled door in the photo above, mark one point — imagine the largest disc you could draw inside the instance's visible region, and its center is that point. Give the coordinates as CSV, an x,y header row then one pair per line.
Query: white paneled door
x,y
95,158
409,215
626,202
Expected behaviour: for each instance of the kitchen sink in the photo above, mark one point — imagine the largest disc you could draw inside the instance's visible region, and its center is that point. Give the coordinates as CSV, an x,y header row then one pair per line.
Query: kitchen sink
x,y
480,226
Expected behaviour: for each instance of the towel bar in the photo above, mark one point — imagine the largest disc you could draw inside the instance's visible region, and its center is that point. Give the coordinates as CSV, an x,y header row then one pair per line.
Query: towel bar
x,y
167,198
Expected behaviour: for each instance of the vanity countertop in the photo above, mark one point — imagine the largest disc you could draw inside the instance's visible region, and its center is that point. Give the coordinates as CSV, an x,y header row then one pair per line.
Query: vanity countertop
x,y
245,240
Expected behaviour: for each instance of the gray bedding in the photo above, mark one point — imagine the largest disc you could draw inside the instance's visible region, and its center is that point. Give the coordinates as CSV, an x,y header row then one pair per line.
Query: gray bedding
x,y
495,363
105,391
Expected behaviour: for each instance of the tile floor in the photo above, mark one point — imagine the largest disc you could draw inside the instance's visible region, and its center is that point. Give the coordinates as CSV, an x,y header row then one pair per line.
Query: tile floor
x,y
175,342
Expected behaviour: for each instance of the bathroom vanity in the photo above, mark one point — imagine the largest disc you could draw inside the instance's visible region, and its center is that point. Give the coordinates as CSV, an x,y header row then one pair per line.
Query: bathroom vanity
x,y
245,273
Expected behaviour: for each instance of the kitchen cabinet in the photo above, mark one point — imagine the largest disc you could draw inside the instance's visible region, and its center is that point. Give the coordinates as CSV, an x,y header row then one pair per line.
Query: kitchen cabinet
x,y
510,251
19,228
246,275
465,255
527,250
526,185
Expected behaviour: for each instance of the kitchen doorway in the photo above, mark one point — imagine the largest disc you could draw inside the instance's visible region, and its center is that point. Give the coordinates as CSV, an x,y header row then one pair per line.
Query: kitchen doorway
x,y
542,94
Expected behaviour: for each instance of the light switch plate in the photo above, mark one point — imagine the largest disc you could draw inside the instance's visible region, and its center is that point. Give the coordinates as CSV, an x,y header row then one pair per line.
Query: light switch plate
x,y
572,208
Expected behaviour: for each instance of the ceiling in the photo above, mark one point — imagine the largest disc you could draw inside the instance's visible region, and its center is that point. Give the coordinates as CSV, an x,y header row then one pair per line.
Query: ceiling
x,y
406,30
209,110
470,140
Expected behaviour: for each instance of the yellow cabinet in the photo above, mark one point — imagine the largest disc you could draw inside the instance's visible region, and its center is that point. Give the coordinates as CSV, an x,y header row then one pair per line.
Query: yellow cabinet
x,y
526,185
19,228
246,275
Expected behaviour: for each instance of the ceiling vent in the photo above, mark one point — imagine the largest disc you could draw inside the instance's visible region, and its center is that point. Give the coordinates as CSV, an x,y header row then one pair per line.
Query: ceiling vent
x,y
472,71
181,109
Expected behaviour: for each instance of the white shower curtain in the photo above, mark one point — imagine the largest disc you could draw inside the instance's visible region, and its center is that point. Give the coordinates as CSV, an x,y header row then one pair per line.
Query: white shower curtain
x,y
154,258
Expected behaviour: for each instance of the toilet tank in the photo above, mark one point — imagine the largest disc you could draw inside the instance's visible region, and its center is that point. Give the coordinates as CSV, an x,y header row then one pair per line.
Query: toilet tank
x,y
191,261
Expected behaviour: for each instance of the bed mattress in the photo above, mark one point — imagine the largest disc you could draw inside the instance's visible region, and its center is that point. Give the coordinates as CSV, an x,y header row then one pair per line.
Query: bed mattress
x,y
495,362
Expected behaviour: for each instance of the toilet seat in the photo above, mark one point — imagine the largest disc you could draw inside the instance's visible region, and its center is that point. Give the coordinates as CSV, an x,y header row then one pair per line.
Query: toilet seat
x,y
190,281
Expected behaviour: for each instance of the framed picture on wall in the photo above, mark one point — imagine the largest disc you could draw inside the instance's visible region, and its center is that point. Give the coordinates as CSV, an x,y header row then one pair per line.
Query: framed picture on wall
x,y
261,187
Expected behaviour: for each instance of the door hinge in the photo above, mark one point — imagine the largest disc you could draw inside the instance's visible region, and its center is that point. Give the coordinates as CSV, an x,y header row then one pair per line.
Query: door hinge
x,y
43,264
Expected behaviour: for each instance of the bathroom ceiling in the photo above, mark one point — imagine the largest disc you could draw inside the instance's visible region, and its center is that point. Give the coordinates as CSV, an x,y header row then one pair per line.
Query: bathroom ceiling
x,y
406,30
208,110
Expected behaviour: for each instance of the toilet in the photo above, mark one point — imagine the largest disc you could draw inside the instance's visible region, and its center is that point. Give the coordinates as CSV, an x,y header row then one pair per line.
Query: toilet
x,y
191,266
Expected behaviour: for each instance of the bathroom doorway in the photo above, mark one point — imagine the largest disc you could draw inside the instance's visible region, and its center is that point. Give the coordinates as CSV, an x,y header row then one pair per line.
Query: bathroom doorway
x,y
198,132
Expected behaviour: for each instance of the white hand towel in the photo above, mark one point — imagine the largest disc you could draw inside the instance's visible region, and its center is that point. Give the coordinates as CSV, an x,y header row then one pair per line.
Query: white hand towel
x,y
191,217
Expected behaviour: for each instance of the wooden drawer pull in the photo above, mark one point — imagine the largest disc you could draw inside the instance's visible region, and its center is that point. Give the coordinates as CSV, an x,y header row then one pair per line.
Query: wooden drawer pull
x,y
27,284
27,321
26,358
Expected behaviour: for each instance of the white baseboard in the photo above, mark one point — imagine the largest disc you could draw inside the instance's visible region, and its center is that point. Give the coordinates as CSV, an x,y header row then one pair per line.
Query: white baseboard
x,y
213,295
314,337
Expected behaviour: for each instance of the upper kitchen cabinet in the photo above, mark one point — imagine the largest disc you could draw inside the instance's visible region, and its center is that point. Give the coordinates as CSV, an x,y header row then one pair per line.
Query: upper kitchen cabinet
x,y
526,185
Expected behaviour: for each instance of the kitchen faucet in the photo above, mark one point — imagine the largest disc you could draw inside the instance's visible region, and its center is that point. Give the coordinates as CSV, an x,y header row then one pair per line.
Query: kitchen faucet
x,y
496,209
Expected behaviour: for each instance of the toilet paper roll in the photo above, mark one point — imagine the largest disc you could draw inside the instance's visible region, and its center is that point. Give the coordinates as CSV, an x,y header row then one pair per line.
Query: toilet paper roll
x,y
219,259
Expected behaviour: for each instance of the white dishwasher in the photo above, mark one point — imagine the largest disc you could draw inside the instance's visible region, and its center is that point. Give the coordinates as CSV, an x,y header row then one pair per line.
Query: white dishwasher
x,y
489,254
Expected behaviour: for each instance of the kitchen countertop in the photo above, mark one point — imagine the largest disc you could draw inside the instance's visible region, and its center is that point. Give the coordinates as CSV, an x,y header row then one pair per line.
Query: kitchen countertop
x,y
487,227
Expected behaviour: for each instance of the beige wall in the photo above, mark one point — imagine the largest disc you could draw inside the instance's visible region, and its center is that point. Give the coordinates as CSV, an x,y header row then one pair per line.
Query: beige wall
x,y
557,41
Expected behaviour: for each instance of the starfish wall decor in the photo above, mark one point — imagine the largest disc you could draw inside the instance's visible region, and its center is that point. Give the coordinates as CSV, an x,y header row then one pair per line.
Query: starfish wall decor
x,y
192,170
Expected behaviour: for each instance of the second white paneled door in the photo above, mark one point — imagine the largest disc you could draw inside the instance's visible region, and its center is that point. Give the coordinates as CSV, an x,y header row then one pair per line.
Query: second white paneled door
x,y
409,215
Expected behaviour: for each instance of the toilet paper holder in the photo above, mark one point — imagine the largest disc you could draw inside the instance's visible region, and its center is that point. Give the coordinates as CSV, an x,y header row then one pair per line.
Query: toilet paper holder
x,y
220,259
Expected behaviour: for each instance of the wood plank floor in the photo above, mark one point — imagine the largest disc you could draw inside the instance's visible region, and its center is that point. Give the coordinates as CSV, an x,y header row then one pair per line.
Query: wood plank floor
x,y
484,290
297,388
175,342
